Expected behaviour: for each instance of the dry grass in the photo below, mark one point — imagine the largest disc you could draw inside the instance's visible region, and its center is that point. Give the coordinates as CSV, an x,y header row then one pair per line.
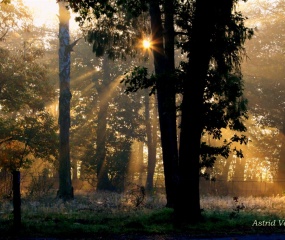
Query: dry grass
x,y
264,205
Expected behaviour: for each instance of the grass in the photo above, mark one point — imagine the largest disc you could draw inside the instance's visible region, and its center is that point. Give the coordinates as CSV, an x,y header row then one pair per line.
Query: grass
x,y
108,213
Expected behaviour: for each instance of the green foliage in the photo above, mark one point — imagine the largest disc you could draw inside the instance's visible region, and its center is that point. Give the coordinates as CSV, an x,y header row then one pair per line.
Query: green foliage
x,y
26,138
116,31
23,82
10,15
138,79
135,8
122,115
98,8
123,128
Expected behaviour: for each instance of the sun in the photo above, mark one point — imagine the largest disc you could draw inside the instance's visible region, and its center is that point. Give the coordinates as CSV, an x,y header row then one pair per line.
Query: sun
x,y
146,43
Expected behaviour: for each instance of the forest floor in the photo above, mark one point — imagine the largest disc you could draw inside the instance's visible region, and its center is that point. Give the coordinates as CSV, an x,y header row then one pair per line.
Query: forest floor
x,y
112,216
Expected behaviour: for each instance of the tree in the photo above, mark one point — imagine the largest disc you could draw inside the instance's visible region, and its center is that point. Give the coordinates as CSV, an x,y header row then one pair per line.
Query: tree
x,y
213,55
151,135
101,110
264,70
165,90
65,190
23,140
26,131
108,41
211,49
10,15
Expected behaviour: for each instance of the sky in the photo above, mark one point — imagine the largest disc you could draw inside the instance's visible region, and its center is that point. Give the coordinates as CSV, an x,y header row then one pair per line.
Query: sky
x,y
45,12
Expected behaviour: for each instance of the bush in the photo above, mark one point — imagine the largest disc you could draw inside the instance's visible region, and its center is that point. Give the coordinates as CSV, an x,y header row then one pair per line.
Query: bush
x,y
41,185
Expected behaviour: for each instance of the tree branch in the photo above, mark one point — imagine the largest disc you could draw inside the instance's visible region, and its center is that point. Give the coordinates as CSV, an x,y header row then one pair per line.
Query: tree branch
x,y
5,140
70,46
3,36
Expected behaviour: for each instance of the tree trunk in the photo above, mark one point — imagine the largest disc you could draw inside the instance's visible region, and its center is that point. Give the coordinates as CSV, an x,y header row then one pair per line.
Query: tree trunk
x,y
151,143
225,173
166,105
141,163
188,206
239,169
281,164
102,166
17,199
74,170
65,191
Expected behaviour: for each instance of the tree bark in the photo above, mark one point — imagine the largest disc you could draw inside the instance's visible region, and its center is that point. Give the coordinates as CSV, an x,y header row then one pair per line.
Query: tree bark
x,y
166,105
65,191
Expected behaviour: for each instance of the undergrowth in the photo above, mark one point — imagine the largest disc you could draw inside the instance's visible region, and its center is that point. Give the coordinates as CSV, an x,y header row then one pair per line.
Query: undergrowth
x,y
109,213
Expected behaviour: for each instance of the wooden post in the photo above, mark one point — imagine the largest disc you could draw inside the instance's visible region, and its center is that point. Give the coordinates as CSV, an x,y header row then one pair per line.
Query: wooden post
x,y
16,199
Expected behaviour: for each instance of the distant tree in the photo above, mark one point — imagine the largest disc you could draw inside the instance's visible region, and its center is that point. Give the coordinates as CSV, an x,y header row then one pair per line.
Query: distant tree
x,y
110,39
22,140
26,130
9,18
151,135
264,70
117,126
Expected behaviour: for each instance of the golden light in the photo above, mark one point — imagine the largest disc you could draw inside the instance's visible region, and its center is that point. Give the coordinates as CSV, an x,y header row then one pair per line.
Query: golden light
x,y
45,12
146,43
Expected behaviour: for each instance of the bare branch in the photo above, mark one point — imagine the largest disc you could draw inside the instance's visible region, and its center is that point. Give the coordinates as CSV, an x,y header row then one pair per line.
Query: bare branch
x,y
70,46
6,140
3,36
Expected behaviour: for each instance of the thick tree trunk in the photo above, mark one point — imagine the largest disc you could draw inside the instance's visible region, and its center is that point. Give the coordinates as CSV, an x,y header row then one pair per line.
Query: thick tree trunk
x,y
166,105
188,206
102,166
16,199
65,191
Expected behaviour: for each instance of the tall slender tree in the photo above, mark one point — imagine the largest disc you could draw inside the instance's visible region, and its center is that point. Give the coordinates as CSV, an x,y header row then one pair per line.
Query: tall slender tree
x,y
151,135
65,190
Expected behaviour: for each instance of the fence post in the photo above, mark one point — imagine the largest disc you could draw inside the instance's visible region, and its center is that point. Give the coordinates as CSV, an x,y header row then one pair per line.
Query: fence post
x,y
16,199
